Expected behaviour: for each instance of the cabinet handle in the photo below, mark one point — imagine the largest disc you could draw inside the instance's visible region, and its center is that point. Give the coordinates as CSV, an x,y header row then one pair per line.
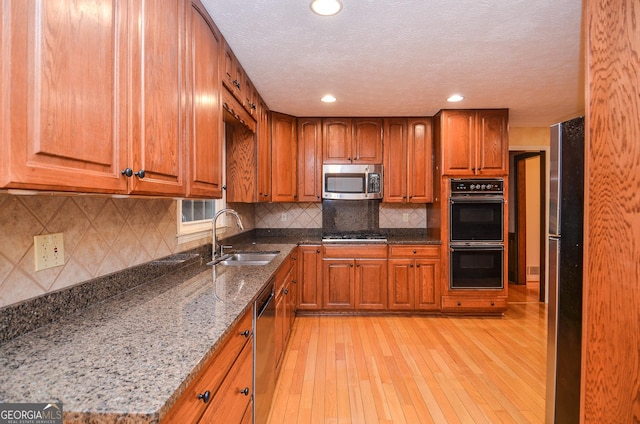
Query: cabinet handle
x,y
318,251
245,333
358,265
349,158
410,265
418,266
224,187
459,303
285,291
140,174
294,281
245,391
415,251
351,265
492,304
127,172
205,396
266,195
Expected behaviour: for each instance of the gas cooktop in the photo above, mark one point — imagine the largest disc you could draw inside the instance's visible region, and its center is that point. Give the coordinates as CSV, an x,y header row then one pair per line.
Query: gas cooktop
x,y
354,238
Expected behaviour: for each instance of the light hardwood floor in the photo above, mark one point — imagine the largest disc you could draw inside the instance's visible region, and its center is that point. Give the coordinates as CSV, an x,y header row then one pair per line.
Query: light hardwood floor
x,y
415,369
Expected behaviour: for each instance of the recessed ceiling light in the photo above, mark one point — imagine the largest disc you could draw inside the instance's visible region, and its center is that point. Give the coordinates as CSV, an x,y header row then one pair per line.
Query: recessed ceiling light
x,y
326,7
455,98
328,98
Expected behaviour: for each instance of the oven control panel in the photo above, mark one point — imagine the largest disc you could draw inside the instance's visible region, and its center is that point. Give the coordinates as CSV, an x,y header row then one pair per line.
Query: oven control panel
x,y
477,186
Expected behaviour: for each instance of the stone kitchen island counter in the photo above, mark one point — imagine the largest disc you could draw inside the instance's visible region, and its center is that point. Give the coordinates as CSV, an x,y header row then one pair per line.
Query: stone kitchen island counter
x,y
128,358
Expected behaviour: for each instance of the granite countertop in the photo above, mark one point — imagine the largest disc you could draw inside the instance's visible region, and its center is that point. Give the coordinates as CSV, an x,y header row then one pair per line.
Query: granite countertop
x,y
131,356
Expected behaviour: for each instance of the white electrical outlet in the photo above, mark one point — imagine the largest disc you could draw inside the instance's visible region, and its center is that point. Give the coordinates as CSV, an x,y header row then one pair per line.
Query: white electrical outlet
x,y
405,217
283,217
49,251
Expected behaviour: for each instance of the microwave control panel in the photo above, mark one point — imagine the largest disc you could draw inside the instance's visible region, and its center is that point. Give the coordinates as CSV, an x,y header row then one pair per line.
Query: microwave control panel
x,y
374,183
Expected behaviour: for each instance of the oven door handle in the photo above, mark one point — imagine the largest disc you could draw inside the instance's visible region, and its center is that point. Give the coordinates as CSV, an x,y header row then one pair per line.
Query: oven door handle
x,y
467,247
476,199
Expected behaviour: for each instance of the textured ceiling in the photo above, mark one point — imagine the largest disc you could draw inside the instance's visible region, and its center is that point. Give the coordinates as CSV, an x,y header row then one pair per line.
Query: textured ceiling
x,y
404,58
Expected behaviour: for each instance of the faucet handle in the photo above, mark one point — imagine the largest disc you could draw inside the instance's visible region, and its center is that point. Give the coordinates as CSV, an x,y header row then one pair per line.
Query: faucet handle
x,y
224,246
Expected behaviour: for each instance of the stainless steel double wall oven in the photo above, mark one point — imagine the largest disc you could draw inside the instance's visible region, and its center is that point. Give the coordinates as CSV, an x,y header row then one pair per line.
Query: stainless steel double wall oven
x,y
476,234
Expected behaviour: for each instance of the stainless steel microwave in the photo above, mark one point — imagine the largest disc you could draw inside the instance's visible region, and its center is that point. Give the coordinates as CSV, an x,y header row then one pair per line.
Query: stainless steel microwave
x,y
352,182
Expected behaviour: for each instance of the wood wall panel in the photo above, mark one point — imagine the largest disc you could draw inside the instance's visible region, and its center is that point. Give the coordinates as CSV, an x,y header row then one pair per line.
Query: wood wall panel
x,y
611,323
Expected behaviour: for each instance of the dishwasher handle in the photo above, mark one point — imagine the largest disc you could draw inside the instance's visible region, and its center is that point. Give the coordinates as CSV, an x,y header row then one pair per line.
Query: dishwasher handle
x,y
265,304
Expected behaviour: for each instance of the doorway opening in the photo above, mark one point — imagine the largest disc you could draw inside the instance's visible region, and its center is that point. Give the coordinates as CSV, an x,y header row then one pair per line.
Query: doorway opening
x,y
527,223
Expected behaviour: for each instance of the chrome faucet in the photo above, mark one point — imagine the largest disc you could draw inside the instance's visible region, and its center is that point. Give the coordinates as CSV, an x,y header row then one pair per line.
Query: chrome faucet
x,y
215,231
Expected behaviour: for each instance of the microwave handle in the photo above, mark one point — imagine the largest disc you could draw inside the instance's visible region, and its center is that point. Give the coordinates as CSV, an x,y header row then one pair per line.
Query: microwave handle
x,y
366,182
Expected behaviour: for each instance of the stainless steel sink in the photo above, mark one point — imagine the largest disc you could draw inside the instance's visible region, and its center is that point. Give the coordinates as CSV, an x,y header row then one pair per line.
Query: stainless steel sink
x,y
246,258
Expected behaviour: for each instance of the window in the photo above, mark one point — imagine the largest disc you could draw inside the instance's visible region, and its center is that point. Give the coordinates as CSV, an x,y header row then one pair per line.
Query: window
x,y
194,218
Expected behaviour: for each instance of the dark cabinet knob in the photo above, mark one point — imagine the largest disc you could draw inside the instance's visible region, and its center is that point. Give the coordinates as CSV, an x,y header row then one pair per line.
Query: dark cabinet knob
x,y
140,174
266,195
410,265
415,251
224,187
459,303
127,172
493,304
205,396
318,251
285,291
349,158
245,333
351,265
294,281
418,266
245,391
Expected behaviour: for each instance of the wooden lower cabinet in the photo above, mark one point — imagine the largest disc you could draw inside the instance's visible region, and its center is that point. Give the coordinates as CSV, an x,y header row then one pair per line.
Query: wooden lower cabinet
x,y
285,289
217,387
354,277
414,276
309,277
470,303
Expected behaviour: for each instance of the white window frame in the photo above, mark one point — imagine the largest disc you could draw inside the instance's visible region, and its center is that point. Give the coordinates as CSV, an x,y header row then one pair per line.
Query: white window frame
x,y
195,230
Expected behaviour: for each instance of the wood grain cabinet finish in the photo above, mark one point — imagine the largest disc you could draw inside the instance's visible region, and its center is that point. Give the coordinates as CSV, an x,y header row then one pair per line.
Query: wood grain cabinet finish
x,y
86,114
206,133
228,361
310,277
414,277
284,158
65,81
408,160
352,140
264,153
354,277
309,159
474,142
285,289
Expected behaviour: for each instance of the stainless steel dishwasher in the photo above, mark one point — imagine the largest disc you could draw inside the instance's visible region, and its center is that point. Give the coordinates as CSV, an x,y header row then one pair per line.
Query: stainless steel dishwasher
x,y
264,354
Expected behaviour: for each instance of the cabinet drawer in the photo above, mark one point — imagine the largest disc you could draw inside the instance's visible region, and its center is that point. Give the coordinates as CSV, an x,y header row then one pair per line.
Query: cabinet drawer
x,y
473,304
189,407
413,251
231,401
355,251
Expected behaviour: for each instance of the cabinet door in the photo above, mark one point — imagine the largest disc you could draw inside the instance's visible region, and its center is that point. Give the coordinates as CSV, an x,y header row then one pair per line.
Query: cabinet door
x,y
64,87
284,157
458,142
309,160
420,154
281,306
264,154
206,133
401,284
367,141
493,142
427,288
336,140
158,96
230,402
309,277
371,284
338,276
395,160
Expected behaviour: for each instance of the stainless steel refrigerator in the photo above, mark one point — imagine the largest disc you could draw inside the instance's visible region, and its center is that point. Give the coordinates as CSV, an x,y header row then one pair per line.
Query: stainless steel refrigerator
x,y
566,216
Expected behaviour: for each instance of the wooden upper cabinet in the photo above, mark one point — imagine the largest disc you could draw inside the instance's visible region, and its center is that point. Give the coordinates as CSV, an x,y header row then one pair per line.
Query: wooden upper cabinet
x,y
474,142
420,158
158,95
309,159
395,160
352,140
88,114
367,141
493,141
264,153
64,89
336,140
206,133
408,160
284,158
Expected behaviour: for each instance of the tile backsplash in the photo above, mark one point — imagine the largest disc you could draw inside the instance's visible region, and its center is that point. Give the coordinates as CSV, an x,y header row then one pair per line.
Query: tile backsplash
x,y
101,235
